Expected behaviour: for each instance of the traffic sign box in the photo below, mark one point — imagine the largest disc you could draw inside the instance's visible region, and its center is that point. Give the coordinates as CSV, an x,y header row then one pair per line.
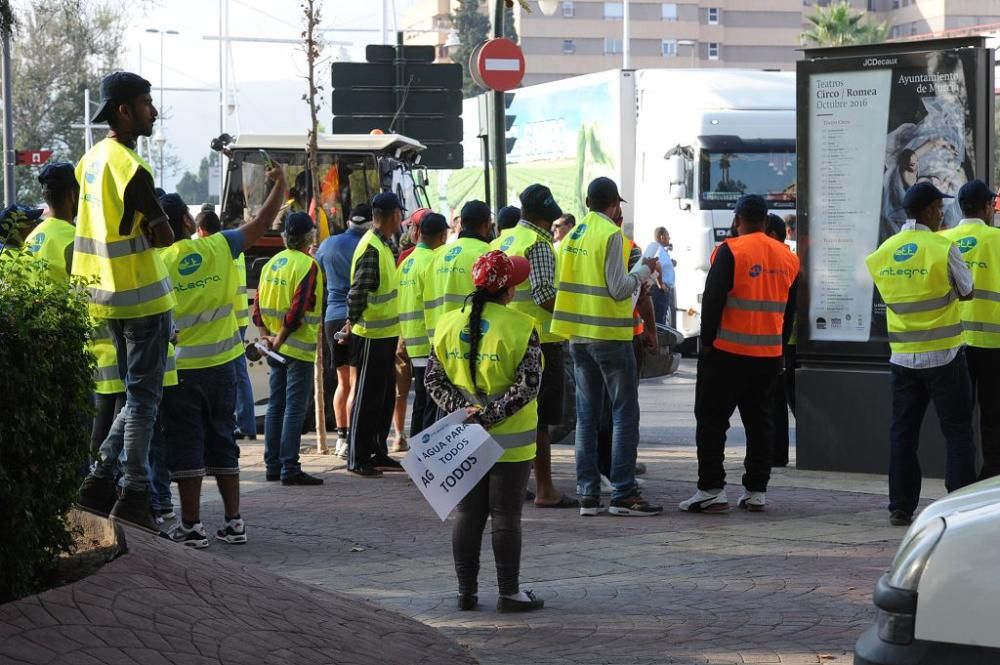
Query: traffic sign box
x,y
31,157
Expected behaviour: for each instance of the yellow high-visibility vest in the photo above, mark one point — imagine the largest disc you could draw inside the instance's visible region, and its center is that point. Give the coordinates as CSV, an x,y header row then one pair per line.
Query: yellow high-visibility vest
x,y
131,278
584,306
448,280
48,241
980,247
516,242
279,279
910,270
410,276
504,341
380,318
241,302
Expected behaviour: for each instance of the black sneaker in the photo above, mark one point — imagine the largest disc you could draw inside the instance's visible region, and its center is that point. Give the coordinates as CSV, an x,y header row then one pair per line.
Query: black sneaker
x,y
194,537
366,471
233,532
900,518
271,477
133,508
301,478
240,436
97,495
505,605
387,464
467,601
590,506
634,506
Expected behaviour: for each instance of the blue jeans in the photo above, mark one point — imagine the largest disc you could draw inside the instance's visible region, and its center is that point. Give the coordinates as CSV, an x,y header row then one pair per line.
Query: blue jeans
x,y
950,388
159,474
291,385
661,304
142,356
246,419
606,366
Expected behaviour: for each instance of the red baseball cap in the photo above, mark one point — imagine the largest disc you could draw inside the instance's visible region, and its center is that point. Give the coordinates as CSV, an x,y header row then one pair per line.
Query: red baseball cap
x,y
495,270
417,215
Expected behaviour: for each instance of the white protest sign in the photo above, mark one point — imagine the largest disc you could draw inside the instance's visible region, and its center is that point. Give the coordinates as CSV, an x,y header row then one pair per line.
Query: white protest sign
x,y
448,458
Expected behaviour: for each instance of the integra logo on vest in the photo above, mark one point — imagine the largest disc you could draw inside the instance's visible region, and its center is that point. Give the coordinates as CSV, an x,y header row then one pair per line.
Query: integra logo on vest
x,y
507,242
36,243
578,232
189,264
452,253
279,264
407,266
905,252
466,334
966,244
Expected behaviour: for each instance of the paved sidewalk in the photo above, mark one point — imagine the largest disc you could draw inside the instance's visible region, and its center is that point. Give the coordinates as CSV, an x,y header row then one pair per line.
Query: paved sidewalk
x,y
791,585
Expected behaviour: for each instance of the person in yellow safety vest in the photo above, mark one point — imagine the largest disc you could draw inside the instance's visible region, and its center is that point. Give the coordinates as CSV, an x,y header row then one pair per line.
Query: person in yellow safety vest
x,y
487,360
16,223
921,276
372,330
288,311
411,276
979,243
207,223
593,308
531,237
119,224
199,413
507,219
52,240
449,279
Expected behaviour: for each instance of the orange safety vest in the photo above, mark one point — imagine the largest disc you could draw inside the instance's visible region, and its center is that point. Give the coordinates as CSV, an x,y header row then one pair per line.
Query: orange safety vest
x,y
638,325
755,308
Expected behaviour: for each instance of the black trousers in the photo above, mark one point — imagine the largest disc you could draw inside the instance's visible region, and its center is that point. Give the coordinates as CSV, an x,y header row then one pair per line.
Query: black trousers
x,y
374,398
984,368
424,409
726,382
784,399
499,496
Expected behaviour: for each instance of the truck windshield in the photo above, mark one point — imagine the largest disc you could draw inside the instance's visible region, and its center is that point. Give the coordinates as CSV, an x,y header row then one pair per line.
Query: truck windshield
x,y
345,179
726,176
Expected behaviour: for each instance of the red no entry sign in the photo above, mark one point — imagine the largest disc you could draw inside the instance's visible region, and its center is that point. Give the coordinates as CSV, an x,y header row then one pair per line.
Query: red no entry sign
x,y
498,64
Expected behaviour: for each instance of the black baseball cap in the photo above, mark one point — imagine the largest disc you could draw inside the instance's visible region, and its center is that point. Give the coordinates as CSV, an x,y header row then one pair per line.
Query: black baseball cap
x,y
603,190
922,195
298,223
386,202
433,223
118,87
174,206
361,214
751,206
537,200
475,213
57,174
975,193
508,217
20,213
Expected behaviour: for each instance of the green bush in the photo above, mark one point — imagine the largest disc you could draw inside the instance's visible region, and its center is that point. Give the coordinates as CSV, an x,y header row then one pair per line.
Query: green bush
x,y
46,387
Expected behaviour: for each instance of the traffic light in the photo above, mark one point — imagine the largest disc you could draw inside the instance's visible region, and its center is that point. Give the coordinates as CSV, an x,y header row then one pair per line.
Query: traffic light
x,y
508,99
400,90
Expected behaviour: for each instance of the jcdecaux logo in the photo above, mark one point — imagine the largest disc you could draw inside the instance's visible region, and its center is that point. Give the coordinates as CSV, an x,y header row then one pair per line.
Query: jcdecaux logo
x,y
189,264
967,244
279,264
452,253
906,252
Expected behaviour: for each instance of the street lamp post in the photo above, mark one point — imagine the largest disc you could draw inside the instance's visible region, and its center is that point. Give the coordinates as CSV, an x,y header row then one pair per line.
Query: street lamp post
x,y
693,44
161,139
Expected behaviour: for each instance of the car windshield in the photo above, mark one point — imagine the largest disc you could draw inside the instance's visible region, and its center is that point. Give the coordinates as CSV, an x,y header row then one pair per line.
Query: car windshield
x,y
345,179
726,176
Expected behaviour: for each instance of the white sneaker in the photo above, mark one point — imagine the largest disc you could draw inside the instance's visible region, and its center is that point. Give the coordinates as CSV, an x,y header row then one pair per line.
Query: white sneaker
x,y
606,486
233,532
340,450
712,501
752,501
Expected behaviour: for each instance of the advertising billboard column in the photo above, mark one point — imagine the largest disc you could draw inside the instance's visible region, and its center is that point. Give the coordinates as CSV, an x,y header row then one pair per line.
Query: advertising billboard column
x,y
872,121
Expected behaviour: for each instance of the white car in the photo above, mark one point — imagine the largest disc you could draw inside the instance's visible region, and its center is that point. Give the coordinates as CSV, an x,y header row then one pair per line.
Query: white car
x,y
938,604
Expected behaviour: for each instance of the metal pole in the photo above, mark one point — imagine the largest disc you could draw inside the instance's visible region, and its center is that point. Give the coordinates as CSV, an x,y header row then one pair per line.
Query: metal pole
x,y
88,139
626,60
385,21
499,124
486,166
9,192
222,96
163,143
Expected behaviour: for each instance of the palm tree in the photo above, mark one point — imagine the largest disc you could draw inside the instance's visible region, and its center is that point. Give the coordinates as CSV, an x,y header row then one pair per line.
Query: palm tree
x,y
840,25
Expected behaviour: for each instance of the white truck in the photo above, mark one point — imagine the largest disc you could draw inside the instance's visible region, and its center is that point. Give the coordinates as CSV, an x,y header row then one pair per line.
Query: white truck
x,y
683,146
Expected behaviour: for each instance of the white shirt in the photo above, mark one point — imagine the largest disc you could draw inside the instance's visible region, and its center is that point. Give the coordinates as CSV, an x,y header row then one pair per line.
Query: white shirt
x,y
961,279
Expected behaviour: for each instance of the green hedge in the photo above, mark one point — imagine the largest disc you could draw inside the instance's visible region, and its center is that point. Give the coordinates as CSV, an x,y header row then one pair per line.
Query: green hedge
x,y
46,387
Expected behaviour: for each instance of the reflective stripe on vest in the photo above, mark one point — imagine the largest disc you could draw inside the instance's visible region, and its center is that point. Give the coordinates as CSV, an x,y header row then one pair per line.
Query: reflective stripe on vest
x,y
380,318
279,280
502,346
584,307
205,279
518,242
910,270
131,280
754,314
979,245
448,280
48,242
240,300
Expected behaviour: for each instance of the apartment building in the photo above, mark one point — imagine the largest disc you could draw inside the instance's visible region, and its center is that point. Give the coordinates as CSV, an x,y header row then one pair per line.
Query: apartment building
x,y
585,36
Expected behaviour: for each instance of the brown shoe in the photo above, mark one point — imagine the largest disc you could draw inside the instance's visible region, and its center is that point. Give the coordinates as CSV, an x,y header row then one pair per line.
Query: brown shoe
x,y
400,445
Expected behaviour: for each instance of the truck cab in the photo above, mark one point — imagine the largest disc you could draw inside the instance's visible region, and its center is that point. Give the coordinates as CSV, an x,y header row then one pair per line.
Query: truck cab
x,y
352,168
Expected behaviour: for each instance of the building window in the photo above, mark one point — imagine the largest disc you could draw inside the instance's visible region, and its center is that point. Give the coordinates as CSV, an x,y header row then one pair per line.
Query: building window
x,y
669,11
713,50
568,10
612,46
713,16
669,48
568,46
614,10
